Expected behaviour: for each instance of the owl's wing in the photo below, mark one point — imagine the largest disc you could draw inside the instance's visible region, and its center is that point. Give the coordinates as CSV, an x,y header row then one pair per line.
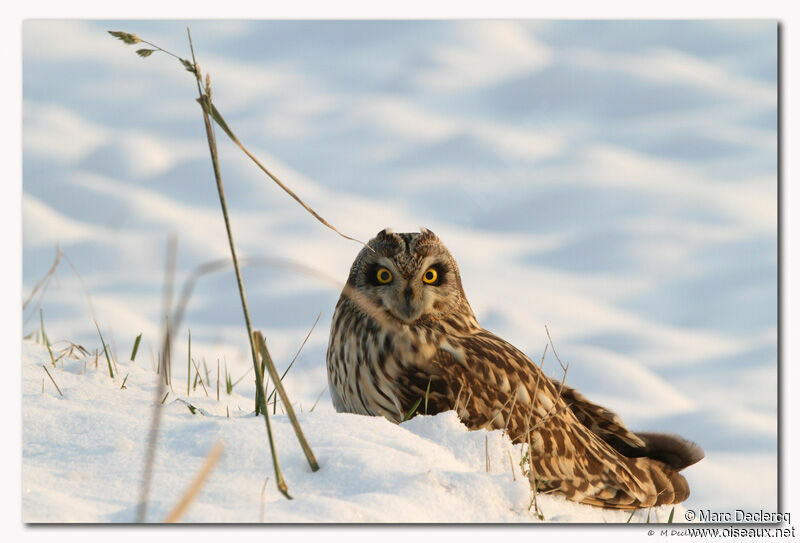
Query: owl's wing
x,y
673,450
598,419
494,385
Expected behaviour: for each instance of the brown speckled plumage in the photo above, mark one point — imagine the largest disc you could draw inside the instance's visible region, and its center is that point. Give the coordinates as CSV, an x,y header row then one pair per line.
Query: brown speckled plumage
x,y
392,343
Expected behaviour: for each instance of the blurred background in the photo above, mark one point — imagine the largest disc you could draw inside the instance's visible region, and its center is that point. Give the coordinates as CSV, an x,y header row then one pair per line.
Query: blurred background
x,y
615,181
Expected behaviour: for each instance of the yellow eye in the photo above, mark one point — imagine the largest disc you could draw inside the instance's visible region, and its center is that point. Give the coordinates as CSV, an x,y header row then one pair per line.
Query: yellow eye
x,y
430,276
384,276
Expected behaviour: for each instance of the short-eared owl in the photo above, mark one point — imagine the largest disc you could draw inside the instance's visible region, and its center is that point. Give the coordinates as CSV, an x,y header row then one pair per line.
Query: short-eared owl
x,y
403,330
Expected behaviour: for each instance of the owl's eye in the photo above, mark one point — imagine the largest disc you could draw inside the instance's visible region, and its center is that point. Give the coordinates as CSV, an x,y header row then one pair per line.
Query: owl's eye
x,y
383,276
430,276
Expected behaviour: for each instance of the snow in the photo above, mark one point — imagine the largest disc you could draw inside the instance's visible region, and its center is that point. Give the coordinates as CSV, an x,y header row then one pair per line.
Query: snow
x,y
615,181
84,454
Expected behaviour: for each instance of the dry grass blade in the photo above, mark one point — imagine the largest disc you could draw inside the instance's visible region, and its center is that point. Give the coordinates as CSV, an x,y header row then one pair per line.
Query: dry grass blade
x,y
83,285
105,350
194,489
46,340
458,397
161,386
296,355
44,280
217,116
53,380
317,400
210,111
200,376
267,359
486,451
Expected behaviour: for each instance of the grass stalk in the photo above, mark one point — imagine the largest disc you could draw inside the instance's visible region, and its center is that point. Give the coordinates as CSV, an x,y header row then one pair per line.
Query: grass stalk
x,y
53,380
46,340
155,421
296,355
200,376
267,360
317,400
105,350
44,280
205,103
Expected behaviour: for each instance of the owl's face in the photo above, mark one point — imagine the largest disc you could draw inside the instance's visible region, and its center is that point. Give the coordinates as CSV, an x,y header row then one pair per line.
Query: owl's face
x,y
408,276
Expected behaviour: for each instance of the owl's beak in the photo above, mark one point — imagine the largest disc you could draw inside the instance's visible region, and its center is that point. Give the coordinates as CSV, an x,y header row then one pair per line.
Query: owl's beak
x,y
408,311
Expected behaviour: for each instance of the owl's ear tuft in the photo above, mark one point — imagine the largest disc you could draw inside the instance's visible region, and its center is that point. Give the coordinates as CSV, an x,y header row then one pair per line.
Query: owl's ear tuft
x,y
387,243
427,243
426,236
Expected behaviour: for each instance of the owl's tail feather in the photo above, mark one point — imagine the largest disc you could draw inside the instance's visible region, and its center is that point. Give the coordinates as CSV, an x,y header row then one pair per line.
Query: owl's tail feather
x,y
671,449
674,451
649,462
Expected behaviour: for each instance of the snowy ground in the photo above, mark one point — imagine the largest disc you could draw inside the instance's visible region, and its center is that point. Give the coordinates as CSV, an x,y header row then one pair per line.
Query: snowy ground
x,y
84,453
615,181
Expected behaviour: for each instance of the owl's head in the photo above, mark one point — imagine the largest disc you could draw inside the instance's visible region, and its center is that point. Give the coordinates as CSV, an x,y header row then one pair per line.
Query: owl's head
x,y
409,276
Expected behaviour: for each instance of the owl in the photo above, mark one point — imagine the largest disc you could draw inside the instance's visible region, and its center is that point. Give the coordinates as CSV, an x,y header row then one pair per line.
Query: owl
x,y
404,340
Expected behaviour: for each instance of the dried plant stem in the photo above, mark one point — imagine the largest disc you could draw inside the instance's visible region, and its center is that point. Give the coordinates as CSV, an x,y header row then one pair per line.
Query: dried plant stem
x,y
200,377
267,360
105,350
44,280
161,386
194,489
53,380
296,355
511,463
317,400
211,110
222,124
205,101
